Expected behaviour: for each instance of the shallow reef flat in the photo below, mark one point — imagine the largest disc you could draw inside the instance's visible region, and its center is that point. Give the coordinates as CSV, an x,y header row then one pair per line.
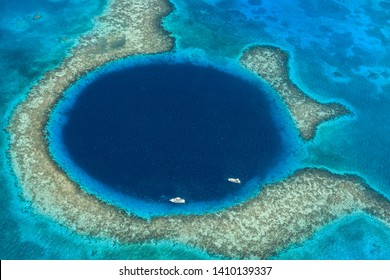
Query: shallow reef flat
x,y
271,64
282,214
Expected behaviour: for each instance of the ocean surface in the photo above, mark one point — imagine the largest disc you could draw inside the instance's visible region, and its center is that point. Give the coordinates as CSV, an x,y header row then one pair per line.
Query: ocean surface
x,y
339,51
144,134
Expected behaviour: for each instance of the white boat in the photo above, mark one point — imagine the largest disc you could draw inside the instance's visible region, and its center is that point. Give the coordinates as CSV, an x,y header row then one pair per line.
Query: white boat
x,y
177,200
234,180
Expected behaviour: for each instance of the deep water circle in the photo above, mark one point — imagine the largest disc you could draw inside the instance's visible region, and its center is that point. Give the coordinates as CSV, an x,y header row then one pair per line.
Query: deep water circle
x,y
158,131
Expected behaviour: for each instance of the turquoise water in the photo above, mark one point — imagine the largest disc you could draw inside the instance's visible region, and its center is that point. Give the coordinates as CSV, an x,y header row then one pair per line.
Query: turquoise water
x,y
355,237
339,51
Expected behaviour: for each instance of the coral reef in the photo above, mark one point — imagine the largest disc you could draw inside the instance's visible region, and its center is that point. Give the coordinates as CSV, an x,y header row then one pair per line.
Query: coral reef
x,y
271,64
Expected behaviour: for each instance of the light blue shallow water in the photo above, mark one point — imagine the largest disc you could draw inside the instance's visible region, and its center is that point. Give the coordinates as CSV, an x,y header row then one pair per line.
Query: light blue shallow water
x,y
340,51
356,237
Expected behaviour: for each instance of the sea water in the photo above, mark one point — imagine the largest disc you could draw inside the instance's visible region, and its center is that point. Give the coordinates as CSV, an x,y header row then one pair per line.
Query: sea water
x,y
149,133
339,51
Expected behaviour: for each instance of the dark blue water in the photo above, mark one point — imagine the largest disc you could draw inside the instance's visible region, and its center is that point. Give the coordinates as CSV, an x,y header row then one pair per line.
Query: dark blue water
x,y
162,130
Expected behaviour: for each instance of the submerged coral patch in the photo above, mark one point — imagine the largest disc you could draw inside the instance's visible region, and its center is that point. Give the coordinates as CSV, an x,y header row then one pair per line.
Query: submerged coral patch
x,y
271,64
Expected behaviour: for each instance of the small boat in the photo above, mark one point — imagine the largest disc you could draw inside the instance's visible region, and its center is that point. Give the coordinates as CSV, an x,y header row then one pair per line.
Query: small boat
x,y
177,200
234,180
